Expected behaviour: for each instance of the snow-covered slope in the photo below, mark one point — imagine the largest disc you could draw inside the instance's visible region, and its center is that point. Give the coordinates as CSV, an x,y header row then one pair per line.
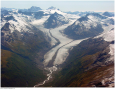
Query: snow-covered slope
x,y
17,22
20,24
52,10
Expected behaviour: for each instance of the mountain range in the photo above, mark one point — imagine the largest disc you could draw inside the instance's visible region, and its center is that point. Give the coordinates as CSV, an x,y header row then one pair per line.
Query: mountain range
x,y
51,48
89,25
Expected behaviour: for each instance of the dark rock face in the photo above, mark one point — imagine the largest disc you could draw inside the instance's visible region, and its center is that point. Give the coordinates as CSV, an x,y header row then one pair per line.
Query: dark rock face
x,y
108,14
112,42
26,13
34,9
80,31
96,84
9,18
83,19
38,15
52,8
55,20
6,27
4,12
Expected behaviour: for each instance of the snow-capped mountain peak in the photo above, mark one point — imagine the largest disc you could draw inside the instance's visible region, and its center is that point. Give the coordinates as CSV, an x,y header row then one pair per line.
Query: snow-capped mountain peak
x,y
52,11
34,9
55,20
51,8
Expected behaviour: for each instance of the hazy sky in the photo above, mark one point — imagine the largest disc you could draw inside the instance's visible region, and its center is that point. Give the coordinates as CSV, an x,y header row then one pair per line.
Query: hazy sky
x,y
62,5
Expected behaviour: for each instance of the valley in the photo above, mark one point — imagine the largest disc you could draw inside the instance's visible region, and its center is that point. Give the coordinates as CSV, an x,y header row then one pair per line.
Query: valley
x,y
56,49
59,53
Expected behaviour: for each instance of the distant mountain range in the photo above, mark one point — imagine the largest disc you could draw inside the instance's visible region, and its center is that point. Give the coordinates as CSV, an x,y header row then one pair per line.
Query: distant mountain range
x,y
32,9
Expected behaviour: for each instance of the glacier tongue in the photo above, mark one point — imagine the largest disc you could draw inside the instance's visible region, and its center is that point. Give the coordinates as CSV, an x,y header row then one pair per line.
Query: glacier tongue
x,y
63,40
